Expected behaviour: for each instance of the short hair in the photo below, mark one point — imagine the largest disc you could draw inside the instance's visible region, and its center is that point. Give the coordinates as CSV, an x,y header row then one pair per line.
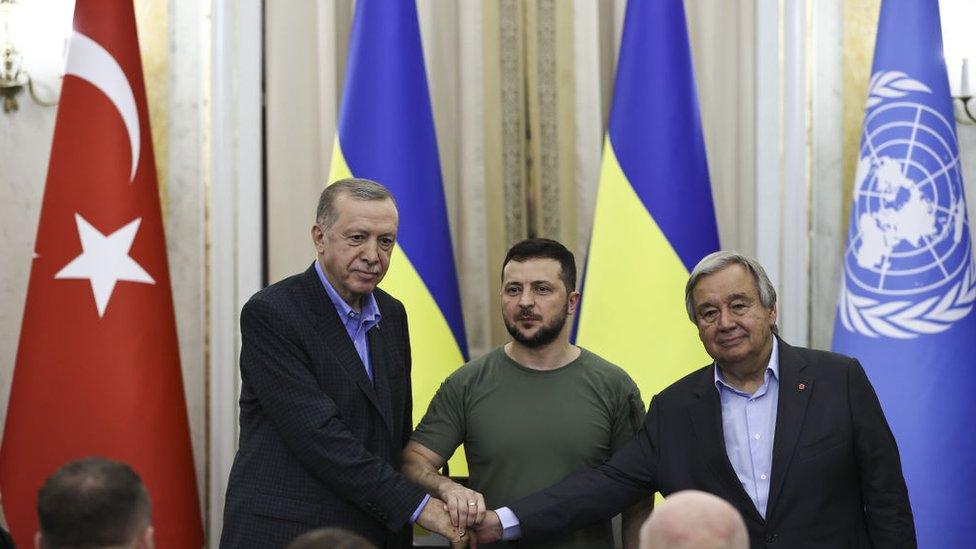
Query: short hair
x,y
545,248
716,261
353,187
92,502
330,538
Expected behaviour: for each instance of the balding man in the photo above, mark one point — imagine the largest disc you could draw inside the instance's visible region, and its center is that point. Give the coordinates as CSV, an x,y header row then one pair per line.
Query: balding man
x,y
691,519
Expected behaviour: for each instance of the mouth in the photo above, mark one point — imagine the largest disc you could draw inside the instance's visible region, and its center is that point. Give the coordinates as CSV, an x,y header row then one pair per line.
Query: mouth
x,y
731,341
366,274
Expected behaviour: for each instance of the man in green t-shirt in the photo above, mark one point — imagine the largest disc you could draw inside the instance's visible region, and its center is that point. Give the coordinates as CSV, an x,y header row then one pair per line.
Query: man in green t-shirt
x,y
531,412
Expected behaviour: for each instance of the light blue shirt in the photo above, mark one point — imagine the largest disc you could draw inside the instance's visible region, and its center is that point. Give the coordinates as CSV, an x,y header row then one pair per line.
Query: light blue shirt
x,y
749,426
357,325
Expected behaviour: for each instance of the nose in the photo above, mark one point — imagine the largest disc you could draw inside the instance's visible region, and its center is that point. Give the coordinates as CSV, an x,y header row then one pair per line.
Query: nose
x,y
370,252
725,321
526,300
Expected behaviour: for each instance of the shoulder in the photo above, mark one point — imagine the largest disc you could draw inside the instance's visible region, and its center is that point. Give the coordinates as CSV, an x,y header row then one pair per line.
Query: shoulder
x,y
595,365
819,363
281,295
691,385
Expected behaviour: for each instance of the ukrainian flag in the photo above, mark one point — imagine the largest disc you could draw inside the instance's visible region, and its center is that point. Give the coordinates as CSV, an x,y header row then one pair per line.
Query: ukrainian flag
x,y
386,133
654,218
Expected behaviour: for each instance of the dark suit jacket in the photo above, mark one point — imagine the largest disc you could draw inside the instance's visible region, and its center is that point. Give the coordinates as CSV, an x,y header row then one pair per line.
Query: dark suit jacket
x,y
320,444
836,475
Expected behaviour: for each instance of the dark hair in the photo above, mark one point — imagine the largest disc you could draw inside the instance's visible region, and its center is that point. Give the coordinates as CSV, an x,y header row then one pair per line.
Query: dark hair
x,y
536,248
356,188
92,502
330,538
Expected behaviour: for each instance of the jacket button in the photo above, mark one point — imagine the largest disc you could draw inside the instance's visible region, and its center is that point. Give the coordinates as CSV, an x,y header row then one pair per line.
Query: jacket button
x,y
771,538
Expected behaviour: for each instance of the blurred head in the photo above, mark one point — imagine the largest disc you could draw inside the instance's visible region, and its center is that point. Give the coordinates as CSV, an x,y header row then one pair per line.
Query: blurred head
x,y
694,520
732,302
94,502
354,233
538,291
330,538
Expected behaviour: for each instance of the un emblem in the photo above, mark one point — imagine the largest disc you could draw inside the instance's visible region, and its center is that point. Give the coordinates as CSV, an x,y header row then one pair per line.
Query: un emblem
x,y
908,269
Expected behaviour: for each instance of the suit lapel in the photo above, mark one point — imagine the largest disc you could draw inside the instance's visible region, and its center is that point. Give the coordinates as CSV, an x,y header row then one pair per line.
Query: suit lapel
x,y
790,412
379,355
706,419
330,329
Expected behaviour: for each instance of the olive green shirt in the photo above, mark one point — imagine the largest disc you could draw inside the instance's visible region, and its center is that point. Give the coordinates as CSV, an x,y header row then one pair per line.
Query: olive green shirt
x,y
524,430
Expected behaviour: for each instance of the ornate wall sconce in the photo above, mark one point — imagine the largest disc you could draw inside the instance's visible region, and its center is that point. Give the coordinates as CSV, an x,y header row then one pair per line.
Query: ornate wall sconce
x,y
959,46
13,77
963,102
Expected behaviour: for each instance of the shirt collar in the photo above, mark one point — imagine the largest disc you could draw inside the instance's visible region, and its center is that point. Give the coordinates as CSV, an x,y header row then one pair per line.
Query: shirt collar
x,y
772,368
370,311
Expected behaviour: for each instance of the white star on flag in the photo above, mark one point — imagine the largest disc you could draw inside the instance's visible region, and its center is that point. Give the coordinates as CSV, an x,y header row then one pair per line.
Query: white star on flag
x,y
105,260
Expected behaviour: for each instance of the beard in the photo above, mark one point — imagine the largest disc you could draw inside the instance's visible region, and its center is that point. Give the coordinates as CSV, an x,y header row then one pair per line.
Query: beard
x,y
546,334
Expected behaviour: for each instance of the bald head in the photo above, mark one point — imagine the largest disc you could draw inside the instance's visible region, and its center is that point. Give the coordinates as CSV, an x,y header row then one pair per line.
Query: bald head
x,y
694,520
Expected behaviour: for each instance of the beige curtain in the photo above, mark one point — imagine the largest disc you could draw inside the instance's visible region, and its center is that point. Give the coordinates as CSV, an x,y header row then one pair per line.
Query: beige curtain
x,y
520,91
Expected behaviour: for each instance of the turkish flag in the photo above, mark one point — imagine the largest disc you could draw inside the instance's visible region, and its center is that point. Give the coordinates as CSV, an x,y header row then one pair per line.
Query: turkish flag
x,y
98,368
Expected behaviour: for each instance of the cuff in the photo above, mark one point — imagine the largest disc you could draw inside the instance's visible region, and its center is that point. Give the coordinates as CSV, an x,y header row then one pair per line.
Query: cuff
x,y
511,529
423,503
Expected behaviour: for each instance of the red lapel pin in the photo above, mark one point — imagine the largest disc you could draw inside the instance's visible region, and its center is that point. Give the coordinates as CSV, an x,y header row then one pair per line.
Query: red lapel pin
x,y
801,386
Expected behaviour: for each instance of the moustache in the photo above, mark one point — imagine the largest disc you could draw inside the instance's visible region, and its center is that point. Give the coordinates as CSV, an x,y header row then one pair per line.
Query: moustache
x,y
529,316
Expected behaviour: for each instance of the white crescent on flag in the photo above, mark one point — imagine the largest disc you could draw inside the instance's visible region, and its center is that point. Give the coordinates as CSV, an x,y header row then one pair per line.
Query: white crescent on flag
x,y
89,61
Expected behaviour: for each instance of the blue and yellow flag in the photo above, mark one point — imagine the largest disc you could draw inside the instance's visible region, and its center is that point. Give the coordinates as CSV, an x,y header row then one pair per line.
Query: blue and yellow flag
x,y
654,218
386,133
905,308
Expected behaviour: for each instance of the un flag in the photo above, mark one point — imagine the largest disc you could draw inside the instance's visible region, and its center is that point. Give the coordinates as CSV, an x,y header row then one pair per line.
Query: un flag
x,y
906,301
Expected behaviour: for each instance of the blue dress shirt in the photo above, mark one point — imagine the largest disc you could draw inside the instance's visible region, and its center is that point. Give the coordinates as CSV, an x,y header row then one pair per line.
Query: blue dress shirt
x,y
749,425
357,325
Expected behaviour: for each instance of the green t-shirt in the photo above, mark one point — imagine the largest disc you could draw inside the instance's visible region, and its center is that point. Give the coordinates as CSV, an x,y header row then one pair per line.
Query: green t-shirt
x,y
524,430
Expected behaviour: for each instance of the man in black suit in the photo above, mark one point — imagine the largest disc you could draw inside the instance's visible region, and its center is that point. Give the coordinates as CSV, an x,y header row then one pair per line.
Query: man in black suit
x,y
794,438
325,396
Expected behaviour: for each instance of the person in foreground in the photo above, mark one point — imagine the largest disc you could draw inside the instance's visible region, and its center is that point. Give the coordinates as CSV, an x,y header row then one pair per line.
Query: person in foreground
x,y
94,503
793,438
325,394
692,519
532,411
330,538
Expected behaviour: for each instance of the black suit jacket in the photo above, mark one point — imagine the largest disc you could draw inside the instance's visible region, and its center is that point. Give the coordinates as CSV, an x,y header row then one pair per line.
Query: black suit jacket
x,y
320,444
836,475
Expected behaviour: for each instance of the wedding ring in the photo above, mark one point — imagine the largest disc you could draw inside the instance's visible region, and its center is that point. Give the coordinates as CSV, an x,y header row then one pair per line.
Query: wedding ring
x,y
472,504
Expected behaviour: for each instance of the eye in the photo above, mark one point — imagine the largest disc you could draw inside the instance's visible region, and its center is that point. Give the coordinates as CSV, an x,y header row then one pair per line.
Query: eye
x,y
543,290
512,290
356,238
739,307
709,315
386,242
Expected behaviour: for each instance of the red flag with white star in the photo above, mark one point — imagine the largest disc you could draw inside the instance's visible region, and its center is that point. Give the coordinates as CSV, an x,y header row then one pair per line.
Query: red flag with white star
x,y
98,368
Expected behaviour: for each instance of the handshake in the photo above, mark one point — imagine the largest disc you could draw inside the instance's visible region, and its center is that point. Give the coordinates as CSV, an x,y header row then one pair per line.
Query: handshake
x,y
459,515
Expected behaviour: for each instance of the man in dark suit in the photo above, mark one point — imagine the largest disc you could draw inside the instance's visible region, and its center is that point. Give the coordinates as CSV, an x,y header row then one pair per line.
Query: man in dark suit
x,y
325,396
794,438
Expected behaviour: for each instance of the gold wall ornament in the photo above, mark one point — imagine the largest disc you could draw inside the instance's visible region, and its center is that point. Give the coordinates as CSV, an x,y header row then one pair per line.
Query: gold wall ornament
x,y
13,77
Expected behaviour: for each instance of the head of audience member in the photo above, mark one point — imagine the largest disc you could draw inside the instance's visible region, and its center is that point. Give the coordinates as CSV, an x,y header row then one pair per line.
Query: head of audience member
x,y
538,291
732,302
694,520
330,538
354,233
94,503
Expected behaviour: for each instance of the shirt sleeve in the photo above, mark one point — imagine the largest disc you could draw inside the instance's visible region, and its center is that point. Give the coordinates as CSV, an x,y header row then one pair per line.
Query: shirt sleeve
x,y
442,428
628,416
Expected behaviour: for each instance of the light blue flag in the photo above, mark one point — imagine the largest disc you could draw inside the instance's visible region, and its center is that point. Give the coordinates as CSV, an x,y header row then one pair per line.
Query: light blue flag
x,y
906,303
